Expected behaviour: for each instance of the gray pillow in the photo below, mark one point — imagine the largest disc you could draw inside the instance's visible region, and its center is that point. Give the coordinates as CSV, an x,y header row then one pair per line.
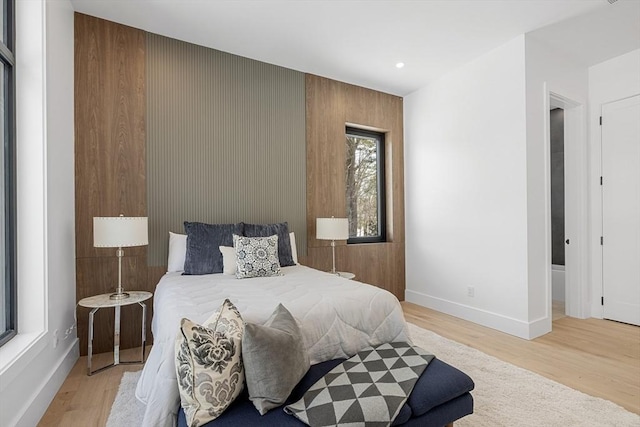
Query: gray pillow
x,y
203,246
275,359
284,242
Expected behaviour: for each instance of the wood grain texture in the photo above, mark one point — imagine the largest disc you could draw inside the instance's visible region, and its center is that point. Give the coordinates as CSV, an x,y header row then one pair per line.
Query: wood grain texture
x,y
598,357
109,127
374,263
330,107
109,166
85,401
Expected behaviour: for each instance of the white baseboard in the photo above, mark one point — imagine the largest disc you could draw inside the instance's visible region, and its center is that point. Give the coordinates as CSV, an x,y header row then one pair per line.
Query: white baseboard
x,y
43,397
509,325
558,292
539,327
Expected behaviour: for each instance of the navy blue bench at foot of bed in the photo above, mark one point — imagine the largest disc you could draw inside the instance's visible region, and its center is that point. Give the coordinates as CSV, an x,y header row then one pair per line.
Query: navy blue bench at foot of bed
x,y
440,396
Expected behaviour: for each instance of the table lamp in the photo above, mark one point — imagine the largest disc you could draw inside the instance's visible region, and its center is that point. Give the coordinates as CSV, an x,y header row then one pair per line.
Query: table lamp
x,y
120,232
332,229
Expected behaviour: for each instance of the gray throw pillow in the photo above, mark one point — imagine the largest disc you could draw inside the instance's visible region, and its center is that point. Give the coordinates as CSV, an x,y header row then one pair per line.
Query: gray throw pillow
x,y
203,246
275,359
284,242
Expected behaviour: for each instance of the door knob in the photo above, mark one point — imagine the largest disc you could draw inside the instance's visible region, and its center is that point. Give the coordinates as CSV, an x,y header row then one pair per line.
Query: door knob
x,y
567,241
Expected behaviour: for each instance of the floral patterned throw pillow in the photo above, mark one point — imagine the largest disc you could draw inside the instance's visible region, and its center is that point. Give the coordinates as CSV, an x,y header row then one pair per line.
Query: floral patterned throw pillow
x,y
256,256
209,364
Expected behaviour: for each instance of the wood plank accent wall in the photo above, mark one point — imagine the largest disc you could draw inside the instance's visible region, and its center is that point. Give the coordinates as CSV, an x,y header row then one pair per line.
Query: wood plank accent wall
x,y
330,106
225,141
109,167
111,175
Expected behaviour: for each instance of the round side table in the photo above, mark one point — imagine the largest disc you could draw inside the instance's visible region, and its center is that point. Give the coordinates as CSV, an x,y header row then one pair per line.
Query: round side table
x,y
103,301
346,275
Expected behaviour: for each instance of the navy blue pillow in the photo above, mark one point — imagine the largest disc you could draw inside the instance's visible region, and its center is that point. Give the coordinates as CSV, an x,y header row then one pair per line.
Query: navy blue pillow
x,y
203,241
284,242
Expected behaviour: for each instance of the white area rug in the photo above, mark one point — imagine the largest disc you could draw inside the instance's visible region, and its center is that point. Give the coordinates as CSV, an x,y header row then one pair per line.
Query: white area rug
x,y
505,395
127,411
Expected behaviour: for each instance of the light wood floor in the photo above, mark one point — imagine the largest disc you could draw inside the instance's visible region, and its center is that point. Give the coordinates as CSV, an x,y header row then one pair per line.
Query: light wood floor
x,y
597,357
85,401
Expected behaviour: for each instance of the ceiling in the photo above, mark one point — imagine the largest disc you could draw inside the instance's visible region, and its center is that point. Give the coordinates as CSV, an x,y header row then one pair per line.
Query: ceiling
x,y
360,42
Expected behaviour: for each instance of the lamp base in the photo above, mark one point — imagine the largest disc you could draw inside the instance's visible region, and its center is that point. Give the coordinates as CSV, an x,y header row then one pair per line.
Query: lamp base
x,y
119,296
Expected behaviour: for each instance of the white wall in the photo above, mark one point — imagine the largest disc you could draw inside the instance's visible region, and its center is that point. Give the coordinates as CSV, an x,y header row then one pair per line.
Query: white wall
x,y
466,191
609,81
31,367
477,187
547,71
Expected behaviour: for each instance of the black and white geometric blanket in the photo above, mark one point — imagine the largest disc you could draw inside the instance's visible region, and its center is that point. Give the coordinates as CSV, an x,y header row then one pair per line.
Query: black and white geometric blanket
x,y
367,389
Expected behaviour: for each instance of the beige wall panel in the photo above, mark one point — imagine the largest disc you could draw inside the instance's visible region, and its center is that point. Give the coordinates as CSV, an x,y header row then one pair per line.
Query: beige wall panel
x,y
225,141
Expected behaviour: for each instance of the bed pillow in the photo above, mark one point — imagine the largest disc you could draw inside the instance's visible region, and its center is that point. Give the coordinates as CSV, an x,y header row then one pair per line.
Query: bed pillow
x,y
294,250
203,241
275,359
284,243
256,256
229,264
177,252
209,364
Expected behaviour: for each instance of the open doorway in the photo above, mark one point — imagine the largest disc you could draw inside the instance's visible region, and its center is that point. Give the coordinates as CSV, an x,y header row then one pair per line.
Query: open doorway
x,y
556,148
567,241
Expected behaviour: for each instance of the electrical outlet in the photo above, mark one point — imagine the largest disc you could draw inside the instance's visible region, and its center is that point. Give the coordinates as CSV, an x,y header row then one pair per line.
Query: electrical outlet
x,y
471,291
56,338
69,331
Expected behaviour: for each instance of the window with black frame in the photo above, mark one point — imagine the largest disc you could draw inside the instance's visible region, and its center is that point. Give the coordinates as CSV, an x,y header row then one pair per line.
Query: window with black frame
x,y
365,186
8,300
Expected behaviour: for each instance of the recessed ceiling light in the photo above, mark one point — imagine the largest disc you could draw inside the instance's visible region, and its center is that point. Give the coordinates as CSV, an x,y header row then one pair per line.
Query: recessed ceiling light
x,y
400,65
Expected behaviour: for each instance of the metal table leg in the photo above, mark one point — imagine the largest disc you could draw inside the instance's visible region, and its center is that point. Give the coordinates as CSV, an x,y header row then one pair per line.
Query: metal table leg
x,y
144,329
116,338
90,342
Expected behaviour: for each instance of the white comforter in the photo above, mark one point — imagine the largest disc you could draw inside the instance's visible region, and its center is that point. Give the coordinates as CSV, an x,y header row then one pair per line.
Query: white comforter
x,y
339,317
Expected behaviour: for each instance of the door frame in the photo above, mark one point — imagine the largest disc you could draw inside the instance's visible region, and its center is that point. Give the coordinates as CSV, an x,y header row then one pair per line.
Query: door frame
x,y
577,296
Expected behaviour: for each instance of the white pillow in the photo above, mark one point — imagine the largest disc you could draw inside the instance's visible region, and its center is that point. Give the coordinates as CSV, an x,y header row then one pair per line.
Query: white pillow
x,y
294,251
177,252
229,263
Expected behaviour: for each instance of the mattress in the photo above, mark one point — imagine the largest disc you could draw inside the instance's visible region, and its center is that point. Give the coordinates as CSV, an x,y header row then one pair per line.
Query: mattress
x,y
338,318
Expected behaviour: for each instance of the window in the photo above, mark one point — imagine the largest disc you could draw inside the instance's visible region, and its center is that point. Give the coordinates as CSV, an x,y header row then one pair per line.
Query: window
x,y
8,303
365,186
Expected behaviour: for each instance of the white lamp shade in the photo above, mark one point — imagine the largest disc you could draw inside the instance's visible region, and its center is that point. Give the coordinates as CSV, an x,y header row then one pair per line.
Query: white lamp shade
x,y
332,228
120,232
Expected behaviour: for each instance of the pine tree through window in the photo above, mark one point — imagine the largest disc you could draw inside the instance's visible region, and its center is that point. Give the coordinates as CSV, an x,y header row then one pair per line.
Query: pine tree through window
x,y
365,186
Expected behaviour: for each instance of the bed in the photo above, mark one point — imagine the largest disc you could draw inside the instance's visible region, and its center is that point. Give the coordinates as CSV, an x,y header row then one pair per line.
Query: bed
x,y
338,318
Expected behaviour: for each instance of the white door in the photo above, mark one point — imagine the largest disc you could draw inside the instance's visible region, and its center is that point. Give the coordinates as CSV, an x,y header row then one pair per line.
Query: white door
x,y
621,210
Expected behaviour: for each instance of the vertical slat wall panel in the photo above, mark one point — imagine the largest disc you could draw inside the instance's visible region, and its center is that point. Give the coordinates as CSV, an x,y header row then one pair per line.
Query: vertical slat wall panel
x,y
225,141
